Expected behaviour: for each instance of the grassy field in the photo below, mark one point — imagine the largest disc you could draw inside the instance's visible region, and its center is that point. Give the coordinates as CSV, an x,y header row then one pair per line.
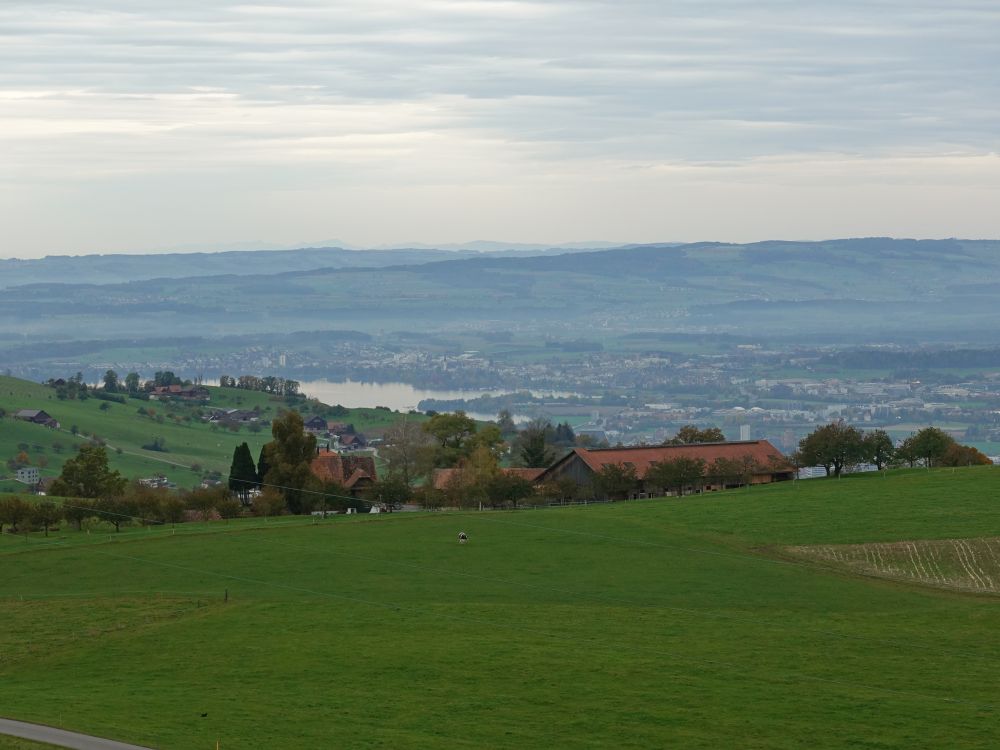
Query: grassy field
x,y
189,442
13,743
679,623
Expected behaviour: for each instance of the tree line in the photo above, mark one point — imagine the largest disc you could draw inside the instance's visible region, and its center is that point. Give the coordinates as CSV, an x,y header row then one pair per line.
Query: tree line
x,y
839,446
269,384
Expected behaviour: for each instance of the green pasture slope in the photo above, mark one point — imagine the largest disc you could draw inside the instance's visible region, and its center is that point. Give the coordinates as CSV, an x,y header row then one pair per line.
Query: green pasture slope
x,y
665,623
13,743
123,427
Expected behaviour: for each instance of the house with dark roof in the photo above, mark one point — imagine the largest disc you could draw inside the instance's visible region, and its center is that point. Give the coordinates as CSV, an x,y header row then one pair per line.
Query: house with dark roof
x,y
36,416
764,464
354,473
180,392
315,424
352,441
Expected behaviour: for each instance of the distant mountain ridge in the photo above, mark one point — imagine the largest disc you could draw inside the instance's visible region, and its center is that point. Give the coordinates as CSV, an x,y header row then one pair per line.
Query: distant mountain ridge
x,y
116,268
848,287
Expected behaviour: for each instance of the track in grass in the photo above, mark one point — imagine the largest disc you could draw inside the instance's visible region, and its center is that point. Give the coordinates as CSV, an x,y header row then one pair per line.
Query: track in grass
x,y
963,564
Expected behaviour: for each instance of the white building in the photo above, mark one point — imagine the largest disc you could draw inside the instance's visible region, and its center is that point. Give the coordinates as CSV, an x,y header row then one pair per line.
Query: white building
x,y
28,475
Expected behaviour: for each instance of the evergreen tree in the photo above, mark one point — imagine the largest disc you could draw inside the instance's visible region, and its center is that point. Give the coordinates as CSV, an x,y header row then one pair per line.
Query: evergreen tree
x,y
262,466
242,473
533,450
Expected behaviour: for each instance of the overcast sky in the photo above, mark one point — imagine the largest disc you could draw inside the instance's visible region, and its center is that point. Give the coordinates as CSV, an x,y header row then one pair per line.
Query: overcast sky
x,y
135,125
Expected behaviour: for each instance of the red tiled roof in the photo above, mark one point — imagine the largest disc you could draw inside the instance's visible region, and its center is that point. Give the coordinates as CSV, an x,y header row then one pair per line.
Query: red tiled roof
x,y
330,466
642,458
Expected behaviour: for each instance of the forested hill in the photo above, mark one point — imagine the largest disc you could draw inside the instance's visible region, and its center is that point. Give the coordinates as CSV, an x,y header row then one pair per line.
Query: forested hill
x,y
113,269
855,288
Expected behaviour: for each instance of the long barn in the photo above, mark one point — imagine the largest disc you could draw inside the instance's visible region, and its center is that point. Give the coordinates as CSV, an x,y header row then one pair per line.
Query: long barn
x,y
764,464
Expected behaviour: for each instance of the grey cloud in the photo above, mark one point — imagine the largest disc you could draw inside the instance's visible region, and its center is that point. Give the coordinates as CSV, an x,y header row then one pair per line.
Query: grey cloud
x,y
291,88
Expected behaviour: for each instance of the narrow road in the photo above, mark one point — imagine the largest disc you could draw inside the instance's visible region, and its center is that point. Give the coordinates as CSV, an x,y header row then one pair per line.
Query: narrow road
x,y
60,737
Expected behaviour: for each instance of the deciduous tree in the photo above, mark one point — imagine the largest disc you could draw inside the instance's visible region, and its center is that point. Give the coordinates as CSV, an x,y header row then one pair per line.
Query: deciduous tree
x,y
834,447
288,457
931,444
878,448
677,474
408,450
690,434
46,514
13,510
616,481
88,475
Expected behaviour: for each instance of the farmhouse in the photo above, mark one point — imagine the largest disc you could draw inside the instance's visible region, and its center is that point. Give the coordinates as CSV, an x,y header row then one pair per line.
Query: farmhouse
x,y
231,416
315,424
352,441
355,473
36,416
760,461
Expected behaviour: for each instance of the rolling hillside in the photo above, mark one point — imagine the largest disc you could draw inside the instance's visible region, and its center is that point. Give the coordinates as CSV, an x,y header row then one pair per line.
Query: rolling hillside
x,y
189,441
665,623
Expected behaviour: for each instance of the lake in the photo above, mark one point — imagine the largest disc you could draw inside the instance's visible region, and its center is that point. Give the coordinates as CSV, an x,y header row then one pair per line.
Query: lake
x,y
397,396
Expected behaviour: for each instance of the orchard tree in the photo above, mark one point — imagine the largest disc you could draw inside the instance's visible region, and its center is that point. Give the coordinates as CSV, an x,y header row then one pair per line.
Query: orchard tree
x,y
560,490
13,510
616,481
117,510
726,471
930,445
834,447
677,474
877,448
508,488
46,514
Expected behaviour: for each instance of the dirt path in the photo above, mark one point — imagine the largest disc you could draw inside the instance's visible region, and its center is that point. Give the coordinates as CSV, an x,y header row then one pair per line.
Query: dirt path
x,y
60,737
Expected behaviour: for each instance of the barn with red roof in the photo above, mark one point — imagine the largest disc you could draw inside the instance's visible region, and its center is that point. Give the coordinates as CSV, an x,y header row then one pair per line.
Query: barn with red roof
x,y
762,463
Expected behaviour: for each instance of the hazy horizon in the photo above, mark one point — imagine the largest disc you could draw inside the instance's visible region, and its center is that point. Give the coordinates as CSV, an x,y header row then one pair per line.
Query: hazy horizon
x,y
129,128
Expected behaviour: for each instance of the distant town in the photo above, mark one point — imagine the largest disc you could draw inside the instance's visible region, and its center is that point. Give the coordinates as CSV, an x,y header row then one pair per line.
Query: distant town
x,y
636,397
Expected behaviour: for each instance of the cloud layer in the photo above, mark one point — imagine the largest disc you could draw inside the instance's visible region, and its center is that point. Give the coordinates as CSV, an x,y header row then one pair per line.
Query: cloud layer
x,y
129,125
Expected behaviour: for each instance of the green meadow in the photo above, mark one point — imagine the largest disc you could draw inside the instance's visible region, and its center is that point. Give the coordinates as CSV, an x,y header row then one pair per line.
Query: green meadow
x,y
13,743
189,442
662,623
